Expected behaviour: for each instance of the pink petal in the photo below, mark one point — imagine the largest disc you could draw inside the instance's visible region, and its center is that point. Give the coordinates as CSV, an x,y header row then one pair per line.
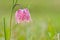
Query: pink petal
x,y
22,15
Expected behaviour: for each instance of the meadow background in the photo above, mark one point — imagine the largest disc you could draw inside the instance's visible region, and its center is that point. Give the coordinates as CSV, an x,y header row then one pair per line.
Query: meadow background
x,y
45,16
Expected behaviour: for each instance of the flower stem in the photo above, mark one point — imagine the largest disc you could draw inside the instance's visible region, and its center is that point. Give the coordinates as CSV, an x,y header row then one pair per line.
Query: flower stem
x,y
11,19
11,15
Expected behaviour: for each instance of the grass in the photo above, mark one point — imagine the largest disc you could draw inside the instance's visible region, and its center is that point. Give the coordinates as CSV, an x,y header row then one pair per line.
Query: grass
x,y
43,12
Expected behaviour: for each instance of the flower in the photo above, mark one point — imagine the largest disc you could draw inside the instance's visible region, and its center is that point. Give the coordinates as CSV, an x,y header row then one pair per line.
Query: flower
x,y
22,15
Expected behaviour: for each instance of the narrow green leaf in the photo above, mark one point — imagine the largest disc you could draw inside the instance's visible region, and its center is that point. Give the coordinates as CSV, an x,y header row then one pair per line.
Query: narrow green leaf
x,y
4,28
51,31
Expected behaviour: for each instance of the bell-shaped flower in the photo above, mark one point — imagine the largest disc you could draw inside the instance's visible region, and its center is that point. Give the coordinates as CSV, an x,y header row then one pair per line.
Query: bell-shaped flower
x,y
22,15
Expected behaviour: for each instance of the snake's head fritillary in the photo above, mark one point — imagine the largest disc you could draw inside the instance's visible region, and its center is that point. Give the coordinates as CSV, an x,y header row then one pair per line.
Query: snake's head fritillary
x,y
22,15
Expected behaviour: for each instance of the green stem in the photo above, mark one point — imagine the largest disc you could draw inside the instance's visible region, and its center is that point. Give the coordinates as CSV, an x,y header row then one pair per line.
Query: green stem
x,y
11,16
4,28
10,24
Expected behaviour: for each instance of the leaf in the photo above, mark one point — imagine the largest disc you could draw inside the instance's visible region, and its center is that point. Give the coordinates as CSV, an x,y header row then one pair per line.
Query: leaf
x,y
4,28
8,33
51,31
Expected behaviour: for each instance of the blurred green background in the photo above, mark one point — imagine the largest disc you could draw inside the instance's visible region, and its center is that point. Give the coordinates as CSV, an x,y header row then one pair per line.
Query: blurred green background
x,y
40,10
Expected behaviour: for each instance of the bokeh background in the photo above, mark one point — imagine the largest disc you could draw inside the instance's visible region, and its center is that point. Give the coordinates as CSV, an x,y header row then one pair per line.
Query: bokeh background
x,y
45,23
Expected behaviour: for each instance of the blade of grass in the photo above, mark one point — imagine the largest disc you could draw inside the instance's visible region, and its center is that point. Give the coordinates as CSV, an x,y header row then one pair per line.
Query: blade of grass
x,y
58,36
4,29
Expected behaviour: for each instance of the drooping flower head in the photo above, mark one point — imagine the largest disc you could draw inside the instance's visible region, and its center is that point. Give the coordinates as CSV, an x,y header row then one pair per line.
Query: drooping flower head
x,y
22,15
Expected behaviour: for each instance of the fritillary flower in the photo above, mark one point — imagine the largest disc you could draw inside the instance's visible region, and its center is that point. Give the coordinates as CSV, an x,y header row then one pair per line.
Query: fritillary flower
x,y
22,15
